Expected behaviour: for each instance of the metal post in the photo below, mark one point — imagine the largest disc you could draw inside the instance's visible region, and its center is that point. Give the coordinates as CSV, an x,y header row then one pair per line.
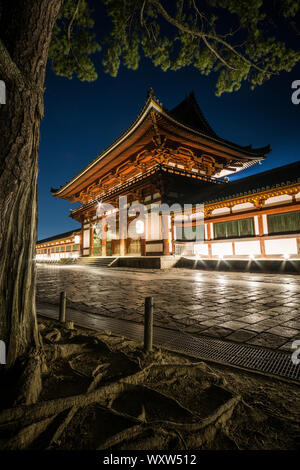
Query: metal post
x,y
62,307
148,324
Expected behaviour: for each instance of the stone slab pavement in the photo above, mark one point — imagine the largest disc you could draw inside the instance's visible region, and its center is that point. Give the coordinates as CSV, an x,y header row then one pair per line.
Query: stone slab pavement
x,y
256,309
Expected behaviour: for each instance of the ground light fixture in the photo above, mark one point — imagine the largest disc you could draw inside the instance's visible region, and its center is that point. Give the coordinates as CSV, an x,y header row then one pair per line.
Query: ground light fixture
x,y
286,256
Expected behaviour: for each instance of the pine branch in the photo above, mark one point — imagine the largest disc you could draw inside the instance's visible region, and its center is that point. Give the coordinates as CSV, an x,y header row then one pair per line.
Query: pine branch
x,y
217,54
201,34
72,21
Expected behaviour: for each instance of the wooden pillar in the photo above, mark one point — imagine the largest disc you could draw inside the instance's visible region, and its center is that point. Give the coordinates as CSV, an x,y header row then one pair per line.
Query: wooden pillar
x,y
122,247
261,233
122,231
173,234
81,239
143,247
208,239
103,234
91,239
165,234
62,307
233,248
148,324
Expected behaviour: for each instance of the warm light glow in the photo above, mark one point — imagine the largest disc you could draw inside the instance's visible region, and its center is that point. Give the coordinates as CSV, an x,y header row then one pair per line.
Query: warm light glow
x,y
251,256
281,246
286,256
247,248
201,249
77,239
223,249
139,226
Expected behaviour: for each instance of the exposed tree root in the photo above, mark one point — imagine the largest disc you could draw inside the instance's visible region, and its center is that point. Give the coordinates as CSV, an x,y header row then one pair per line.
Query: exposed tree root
x,y
44,410
30,382
156,405
195,433
26,435
70,414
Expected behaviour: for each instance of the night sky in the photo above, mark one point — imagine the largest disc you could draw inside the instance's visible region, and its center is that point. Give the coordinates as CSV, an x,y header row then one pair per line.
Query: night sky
x,y
82,119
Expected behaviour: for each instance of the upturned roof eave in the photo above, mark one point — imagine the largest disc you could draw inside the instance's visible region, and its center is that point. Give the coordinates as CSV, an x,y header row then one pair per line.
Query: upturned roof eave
x,y
151,103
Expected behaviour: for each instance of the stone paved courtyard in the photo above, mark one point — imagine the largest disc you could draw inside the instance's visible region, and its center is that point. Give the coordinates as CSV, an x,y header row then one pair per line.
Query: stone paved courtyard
x,y
257,309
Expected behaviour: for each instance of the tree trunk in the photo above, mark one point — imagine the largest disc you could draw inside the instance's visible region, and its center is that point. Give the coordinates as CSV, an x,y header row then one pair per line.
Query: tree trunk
x,y
25,33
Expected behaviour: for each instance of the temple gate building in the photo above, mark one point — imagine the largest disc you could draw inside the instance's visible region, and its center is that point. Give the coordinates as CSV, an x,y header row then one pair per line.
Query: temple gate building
x,y
175,158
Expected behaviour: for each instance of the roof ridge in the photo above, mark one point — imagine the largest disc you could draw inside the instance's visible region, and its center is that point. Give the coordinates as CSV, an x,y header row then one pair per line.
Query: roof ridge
x,y
59,235
180,110
272,170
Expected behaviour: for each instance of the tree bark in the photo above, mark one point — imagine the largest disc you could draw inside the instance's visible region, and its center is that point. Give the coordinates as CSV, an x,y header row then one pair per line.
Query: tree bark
x,y
25,34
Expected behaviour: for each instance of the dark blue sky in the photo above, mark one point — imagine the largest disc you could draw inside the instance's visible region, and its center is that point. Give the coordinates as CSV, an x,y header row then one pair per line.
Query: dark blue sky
x,y
82,119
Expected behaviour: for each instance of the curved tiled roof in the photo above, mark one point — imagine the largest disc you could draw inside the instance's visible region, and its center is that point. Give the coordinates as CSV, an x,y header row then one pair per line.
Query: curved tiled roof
x,y
189,113
186,115
280,176
58,236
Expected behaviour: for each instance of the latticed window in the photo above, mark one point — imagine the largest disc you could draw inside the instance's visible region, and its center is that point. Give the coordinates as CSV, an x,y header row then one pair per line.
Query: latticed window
x,y
234,229
62,248
52,250
96,240
97,243
190,233
75,247
288,222
68,248
57,249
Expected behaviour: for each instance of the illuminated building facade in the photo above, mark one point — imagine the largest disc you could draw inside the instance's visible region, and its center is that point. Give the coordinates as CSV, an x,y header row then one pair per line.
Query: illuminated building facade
x,y
63,245
175,158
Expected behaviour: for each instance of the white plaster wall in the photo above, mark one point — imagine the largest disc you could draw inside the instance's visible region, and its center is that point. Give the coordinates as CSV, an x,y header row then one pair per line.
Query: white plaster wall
x,y
243,207
247,248
221,210
278,200
86,238
154,226
265,223
256,225
201,249
281,246
222,249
